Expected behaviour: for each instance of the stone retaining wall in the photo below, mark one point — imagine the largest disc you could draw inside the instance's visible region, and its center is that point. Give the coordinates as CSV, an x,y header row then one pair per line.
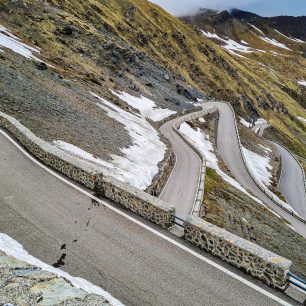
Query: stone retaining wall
x,y
141,203
161,178
253,259
90,176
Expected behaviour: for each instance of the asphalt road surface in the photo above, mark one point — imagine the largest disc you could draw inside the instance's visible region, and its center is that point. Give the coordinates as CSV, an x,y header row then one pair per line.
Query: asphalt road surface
x,y
228,148
292,184
135,264
292,181
182,186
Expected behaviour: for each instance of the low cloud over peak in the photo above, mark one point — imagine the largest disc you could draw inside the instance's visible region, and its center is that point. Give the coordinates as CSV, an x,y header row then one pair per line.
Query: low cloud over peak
x,y
261,7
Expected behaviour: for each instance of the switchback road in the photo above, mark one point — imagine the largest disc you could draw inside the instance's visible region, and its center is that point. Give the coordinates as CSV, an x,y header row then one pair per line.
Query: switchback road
x,y
228,147
136,262
182,185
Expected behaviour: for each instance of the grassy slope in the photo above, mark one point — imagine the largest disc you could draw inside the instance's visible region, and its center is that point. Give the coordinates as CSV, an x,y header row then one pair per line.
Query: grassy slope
x,y
182,49
228,208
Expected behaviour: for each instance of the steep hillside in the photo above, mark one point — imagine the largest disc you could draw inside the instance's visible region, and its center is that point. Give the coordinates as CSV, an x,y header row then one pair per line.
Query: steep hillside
x,y
275,61
92,40
288,25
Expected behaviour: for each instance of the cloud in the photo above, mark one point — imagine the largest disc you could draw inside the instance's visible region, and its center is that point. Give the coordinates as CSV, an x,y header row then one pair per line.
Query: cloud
x,y
180,7
261,7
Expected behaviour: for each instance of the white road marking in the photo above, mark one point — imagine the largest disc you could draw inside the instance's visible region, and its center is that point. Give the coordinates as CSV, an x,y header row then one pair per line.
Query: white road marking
x,y
201,257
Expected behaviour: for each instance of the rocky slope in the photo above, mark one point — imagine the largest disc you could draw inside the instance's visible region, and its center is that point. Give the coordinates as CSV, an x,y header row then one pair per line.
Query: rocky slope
x,y
273,57
137,45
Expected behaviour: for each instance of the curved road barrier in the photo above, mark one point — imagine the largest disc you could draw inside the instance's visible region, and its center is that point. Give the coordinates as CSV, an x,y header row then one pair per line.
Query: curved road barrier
x,y
259,184
293,188
255,260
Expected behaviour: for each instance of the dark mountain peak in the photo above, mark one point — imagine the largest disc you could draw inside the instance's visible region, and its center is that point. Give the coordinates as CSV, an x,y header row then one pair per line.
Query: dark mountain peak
x,y
239,14
207,15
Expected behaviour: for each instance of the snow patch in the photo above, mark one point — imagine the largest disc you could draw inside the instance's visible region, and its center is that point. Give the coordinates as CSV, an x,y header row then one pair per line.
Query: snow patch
x,y
274,42
12,42
231,45
211,35
78,152
265,148
202,120
302,82
290,38
260,31
145,106
139,164
259,166
261,121
245,123
11,247
274,53
244,42
302,119
204,145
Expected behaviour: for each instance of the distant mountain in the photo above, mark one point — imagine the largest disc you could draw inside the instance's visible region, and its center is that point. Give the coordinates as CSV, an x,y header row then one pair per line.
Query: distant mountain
x,y
284,32
289,25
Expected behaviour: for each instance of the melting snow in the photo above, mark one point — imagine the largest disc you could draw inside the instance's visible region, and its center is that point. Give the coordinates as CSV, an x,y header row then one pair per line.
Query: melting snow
x,y
12,42
245,123
232,45
203,144
211,35
13,248
302,82
261,121
140,162
259,166
256,29
202,120
290,38
244,42
145,106
274,53
302,119
265,148
274,42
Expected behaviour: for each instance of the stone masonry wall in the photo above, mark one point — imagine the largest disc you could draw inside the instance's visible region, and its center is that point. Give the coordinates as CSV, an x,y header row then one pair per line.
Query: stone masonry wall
x,y
253,259
161,178
138,201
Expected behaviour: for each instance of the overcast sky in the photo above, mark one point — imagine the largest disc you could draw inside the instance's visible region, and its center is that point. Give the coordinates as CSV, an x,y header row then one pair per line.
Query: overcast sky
x,y
261,7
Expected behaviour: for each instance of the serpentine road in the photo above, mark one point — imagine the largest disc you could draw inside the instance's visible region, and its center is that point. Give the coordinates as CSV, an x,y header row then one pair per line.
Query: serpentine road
x,y
292,183
182,185
135,261
185,176
228,147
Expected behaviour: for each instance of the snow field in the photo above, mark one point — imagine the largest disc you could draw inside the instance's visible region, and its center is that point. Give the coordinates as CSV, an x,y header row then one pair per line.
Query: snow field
x,y
139,163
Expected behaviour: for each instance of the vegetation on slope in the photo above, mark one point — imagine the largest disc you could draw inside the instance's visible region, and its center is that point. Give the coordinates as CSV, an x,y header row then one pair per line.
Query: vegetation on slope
x,y
227,207
251,86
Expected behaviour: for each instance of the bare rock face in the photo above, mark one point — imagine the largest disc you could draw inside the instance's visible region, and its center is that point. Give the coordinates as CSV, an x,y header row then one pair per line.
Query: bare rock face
x,y
25,284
